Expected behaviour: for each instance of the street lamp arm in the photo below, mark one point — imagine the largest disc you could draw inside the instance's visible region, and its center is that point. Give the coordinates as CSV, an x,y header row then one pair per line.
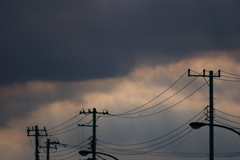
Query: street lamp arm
x,y
197,125
107,155
217,125
84,153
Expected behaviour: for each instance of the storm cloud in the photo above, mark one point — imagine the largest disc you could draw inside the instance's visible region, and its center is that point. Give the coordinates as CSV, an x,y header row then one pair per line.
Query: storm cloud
x,y
80,40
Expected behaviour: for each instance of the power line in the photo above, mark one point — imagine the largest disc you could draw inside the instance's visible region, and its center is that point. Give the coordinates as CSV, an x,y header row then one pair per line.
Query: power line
x,y
227,113
65,131
139,150
63,123
163,100
231,73
227,80
227,125
136,152
75,150
142,116
66,126
68,147
68,157
154,97
227,119
231,77
152,145
186,123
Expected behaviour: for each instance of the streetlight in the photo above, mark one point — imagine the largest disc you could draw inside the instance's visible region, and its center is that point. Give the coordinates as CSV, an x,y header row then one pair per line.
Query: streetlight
x,y
85,153
197,125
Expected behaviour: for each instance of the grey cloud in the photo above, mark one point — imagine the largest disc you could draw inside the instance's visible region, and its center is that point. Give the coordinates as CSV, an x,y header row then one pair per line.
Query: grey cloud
x,y
78,40
18,101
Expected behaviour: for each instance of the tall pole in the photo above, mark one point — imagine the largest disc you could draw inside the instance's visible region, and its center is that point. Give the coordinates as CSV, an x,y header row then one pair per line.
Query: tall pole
x,y
36,138
94,135
94,113
211,118
36,143
48,148
211,131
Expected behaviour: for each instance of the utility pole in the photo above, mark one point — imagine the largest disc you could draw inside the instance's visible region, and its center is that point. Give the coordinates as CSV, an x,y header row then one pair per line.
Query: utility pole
x,y
94,113
48,143
48,149
211,109
36,130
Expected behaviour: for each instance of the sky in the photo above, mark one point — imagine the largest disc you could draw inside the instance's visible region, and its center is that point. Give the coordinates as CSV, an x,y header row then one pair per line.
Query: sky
x,y
130,58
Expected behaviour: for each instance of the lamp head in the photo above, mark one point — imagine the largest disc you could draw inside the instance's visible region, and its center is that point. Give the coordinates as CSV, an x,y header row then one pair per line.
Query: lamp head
x,y
84,153
197,125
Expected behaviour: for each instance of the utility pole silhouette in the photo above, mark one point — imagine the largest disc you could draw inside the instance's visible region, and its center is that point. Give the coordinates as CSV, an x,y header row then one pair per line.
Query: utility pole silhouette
x,y
48,147
94,113
211,108
37,134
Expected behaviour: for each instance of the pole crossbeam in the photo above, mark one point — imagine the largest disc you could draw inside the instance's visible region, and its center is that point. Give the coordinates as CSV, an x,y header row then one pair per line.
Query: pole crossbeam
x,y
204,74
211,107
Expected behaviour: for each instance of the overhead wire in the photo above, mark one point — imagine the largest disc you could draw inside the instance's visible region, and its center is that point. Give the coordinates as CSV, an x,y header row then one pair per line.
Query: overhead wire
x,y
154,97
177,147
164,154
173,153
227,113
172,139
221,79
31,143
63,122
184,140
152,145
68,157
67,126
68,154
180,101
65,131
165,108
186,123
72,146
137,152
168,143
232,78
233,74
226,124
227,119
163,100
74,150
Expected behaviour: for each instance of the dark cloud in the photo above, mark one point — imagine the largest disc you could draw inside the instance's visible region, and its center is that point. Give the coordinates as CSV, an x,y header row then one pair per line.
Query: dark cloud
x,y
77,40
17,101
